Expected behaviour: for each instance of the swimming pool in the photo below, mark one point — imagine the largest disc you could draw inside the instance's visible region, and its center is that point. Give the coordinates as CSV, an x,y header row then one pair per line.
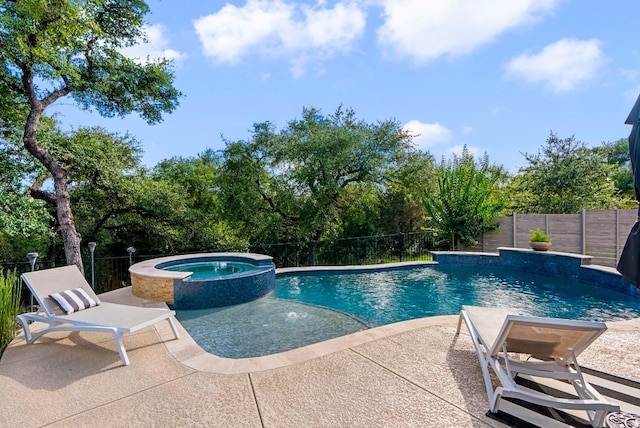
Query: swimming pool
x,y
306,308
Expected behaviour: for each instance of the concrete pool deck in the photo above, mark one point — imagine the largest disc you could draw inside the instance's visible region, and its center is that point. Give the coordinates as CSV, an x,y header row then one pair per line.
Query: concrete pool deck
x,y
414,373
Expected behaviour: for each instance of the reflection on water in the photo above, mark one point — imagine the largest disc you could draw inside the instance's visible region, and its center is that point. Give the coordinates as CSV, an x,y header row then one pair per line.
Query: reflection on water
x,y
388,296
206,270
265,326
305,309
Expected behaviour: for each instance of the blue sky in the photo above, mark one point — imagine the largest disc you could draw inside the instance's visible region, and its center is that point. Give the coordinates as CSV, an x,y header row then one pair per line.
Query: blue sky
x,y
496,75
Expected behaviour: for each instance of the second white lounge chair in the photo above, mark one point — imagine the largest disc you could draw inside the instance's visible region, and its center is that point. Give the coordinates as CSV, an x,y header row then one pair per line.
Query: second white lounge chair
x,y
85,315
539,347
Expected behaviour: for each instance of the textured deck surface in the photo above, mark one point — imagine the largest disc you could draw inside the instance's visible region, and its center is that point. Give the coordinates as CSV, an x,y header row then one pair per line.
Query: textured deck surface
x,y
415,373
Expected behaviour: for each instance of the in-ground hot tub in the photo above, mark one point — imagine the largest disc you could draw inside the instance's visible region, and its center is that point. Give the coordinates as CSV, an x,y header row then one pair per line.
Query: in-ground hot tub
x,y
201,281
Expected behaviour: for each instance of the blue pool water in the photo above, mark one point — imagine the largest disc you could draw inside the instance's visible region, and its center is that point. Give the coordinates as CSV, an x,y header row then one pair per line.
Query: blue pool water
x,y
209,269
308,308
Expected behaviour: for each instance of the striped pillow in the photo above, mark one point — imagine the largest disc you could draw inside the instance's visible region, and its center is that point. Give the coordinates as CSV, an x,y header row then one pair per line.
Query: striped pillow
x,y
74,300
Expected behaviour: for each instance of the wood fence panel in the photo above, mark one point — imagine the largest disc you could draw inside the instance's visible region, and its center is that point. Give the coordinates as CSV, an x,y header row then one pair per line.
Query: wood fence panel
x,y
566,232
600,233
627,219
602,238
502,237
525,223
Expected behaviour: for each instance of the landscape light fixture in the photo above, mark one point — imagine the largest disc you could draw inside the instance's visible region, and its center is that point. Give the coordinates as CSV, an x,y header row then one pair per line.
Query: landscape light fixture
x,y
131,250
32,261
92,247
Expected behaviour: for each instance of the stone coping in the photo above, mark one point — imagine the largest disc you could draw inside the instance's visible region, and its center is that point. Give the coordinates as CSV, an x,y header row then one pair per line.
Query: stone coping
x,y
586,259
467,253
148,267
189,353
355,268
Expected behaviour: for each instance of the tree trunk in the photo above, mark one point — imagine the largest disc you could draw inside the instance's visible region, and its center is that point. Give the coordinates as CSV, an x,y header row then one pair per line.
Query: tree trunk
x,y
70,236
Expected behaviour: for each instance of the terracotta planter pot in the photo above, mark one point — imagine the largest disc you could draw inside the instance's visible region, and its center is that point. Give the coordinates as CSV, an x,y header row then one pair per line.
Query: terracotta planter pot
x,y
540,246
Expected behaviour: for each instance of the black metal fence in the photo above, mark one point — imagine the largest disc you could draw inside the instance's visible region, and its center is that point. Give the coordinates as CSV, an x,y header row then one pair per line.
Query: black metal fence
x,y
111,273
350,251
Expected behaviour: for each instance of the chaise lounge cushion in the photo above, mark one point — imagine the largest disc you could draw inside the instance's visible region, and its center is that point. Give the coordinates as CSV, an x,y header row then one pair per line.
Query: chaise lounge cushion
x,y
74,300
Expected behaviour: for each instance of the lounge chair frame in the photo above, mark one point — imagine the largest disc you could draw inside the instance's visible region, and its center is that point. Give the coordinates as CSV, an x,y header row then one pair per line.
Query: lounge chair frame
x,y
551,345
116,319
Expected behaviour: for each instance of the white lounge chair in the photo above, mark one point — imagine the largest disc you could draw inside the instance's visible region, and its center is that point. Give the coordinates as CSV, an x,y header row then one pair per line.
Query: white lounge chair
x,y
539,347
106,317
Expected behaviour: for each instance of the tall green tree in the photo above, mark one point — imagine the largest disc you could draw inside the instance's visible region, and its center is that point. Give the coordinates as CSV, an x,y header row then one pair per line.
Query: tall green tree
x,y
467,198
201,226
105,180
252,201
616,154
400,205
118,203
564,177
51,49
297,179
25,223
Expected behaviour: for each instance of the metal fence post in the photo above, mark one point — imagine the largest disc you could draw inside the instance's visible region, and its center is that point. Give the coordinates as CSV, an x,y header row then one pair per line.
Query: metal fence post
x,y
584,231
515,232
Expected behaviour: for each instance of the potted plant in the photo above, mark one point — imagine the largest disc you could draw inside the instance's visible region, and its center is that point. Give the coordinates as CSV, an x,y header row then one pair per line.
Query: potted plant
x,y
539,240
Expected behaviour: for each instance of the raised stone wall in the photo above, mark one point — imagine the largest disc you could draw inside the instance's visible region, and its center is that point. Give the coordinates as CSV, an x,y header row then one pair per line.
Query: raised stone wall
x,y
152,288
563,265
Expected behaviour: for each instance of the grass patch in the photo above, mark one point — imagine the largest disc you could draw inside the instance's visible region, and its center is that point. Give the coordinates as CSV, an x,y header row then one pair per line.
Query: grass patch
x,y
10,291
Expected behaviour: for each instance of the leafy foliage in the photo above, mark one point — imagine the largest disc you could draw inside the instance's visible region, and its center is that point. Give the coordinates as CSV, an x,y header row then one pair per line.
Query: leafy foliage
x,y
201,223
24,221
538,235
10,293
57,48
320,177
564,177
400,205
616,154
466,200
294,183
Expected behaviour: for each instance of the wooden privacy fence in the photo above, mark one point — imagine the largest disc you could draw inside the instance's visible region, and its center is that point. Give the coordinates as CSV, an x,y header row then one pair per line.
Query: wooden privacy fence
x,y
600,233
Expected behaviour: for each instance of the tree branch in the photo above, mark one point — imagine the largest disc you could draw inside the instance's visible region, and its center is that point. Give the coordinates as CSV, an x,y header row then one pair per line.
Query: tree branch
x,y
37,193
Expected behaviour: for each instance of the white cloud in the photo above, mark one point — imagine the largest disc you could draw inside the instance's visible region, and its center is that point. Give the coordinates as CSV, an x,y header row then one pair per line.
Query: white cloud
x,y
562,65
424,30
304,34
156,47
427,134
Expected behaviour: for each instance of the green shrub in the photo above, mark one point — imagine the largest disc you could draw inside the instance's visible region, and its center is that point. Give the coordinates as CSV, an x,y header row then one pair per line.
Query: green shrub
x,y
537,235
10,291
